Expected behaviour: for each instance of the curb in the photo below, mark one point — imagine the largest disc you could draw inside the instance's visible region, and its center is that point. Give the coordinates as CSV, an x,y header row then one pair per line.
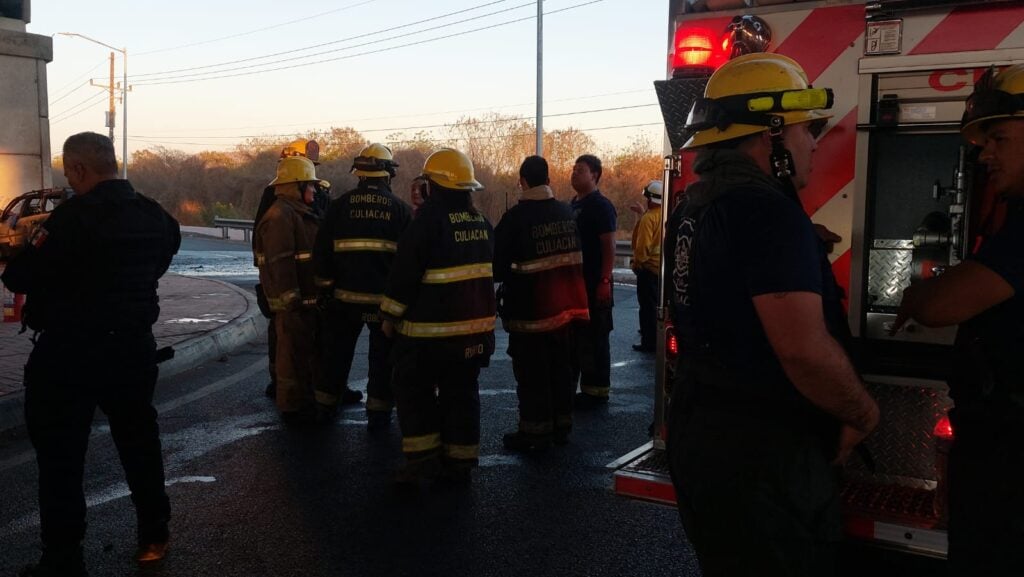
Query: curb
x,y
216,343
189,353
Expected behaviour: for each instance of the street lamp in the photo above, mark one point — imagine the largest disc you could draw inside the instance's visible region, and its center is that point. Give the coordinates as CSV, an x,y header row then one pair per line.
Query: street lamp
x,y
124,99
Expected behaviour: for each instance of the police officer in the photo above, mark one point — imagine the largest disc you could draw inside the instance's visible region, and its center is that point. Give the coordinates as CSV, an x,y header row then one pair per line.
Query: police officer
x,y
766,398
439,304
647,265
90,274
311,150
353,254
284,252
537,259
983,295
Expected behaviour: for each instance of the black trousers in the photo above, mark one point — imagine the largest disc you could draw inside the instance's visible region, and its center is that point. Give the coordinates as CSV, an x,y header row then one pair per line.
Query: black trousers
x,y
592,358
647,298
340,335
755,498
438,401
986,499
540,362
66,378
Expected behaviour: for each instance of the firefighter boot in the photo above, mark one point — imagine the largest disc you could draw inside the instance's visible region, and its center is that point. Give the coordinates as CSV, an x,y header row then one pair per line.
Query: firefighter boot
x,y
456,472
526,442
149,552
326,415
350,397
421,468
377,420
64,561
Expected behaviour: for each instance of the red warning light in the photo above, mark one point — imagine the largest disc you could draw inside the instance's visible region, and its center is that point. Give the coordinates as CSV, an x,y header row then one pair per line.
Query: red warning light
x,y
943,429
696,49
671,344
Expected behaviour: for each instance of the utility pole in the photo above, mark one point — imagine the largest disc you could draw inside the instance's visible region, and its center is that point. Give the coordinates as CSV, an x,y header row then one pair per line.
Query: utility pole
x,y
540,77
111,110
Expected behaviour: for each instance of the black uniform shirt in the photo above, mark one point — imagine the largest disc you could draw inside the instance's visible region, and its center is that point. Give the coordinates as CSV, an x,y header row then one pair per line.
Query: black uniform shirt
x,y
595,216
749,242
990,345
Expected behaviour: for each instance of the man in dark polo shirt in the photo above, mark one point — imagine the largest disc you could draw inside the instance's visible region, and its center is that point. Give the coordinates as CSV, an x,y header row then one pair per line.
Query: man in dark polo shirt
x,y
595,220
983,295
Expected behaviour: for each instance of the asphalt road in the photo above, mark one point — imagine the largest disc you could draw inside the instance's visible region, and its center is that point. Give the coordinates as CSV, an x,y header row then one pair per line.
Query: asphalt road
x,y
252,498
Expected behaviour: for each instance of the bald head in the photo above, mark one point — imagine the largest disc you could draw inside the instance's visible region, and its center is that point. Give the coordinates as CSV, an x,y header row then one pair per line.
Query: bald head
x,y
89,159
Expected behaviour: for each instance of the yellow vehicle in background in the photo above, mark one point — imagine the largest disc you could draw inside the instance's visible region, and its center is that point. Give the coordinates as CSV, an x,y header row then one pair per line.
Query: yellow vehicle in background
x,y
23,214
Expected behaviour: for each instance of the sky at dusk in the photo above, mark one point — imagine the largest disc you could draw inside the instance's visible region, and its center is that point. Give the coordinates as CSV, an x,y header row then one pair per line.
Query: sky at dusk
x,y
206,75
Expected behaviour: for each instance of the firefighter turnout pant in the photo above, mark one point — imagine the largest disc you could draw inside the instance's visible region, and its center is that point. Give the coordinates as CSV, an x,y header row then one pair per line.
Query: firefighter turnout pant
x,y
647,298
297,360
544,385
591,358
341,333
438,402
67,376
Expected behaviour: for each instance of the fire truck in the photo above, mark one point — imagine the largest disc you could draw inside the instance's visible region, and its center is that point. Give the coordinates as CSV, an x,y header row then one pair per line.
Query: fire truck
x,y
894,179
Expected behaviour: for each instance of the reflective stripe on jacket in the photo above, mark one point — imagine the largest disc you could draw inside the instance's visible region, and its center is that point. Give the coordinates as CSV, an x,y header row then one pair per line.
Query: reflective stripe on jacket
x,y
283,244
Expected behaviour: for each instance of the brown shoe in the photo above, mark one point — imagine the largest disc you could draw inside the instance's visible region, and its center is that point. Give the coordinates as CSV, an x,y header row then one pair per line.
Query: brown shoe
x,y
150,552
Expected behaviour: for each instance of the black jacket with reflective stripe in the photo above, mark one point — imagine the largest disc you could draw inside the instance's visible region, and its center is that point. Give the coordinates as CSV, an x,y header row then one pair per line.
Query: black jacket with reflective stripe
x,y
537,259
441,284
357,242
94,264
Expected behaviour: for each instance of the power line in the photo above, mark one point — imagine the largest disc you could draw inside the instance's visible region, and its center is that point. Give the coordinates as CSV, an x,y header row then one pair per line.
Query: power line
x,y
80,86
425,127
435,140
69,109
79,77
332,123
265,28
311,47
453,35
101,95
315,54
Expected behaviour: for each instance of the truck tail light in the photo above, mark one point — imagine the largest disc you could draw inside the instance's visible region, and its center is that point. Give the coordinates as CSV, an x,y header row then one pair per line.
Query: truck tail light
x,y
671,344
943,429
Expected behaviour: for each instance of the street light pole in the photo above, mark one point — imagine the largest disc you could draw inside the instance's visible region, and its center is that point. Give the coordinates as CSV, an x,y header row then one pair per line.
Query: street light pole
x,y
540,77
124,98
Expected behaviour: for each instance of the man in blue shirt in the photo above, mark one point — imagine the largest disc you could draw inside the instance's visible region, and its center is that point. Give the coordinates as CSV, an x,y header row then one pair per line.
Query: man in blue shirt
x,y
595,219
765,398
983,295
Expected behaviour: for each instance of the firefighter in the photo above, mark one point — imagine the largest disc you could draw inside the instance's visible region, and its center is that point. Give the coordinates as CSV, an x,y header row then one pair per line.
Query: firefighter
x,y
647,265
439,304
765,398
90,274
353,254
537,259
283,243
596,222
983,295
311,150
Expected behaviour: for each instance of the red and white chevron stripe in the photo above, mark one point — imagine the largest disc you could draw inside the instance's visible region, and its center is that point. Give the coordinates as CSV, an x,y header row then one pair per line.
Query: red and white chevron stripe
x,y
828,42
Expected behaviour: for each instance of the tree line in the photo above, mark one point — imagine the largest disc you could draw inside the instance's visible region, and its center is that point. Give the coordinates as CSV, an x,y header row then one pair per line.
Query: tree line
x,y
197,187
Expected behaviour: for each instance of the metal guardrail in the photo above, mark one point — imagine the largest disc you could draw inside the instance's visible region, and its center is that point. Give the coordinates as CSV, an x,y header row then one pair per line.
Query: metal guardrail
x,y
226,224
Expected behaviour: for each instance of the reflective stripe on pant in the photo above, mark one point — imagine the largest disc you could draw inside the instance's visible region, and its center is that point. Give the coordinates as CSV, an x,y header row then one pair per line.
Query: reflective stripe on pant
x,y
647,298
544,384
591,358
438,401
341,334
65,380
297,358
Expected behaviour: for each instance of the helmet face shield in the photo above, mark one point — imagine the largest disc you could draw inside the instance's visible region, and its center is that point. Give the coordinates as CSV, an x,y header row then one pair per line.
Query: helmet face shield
x,y
756,108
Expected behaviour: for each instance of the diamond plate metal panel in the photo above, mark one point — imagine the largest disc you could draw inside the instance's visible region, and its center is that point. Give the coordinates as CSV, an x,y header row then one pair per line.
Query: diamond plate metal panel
x,y
902,446
889,270
676,96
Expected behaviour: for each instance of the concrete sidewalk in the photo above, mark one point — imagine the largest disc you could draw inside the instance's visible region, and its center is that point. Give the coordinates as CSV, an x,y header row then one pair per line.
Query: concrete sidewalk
x,y
203,319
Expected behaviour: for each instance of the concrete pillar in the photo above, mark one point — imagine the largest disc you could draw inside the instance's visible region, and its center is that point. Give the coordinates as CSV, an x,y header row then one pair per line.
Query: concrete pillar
x,y
24,116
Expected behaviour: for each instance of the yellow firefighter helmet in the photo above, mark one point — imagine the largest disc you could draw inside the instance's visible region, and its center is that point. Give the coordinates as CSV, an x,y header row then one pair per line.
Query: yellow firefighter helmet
x,y
995,96
296,169
374,160
450,168
302,147
754,93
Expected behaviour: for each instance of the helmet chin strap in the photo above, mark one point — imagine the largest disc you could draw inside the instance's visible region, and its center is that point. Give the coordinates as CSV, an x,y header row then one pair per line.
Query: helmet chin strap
x,y
781,159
